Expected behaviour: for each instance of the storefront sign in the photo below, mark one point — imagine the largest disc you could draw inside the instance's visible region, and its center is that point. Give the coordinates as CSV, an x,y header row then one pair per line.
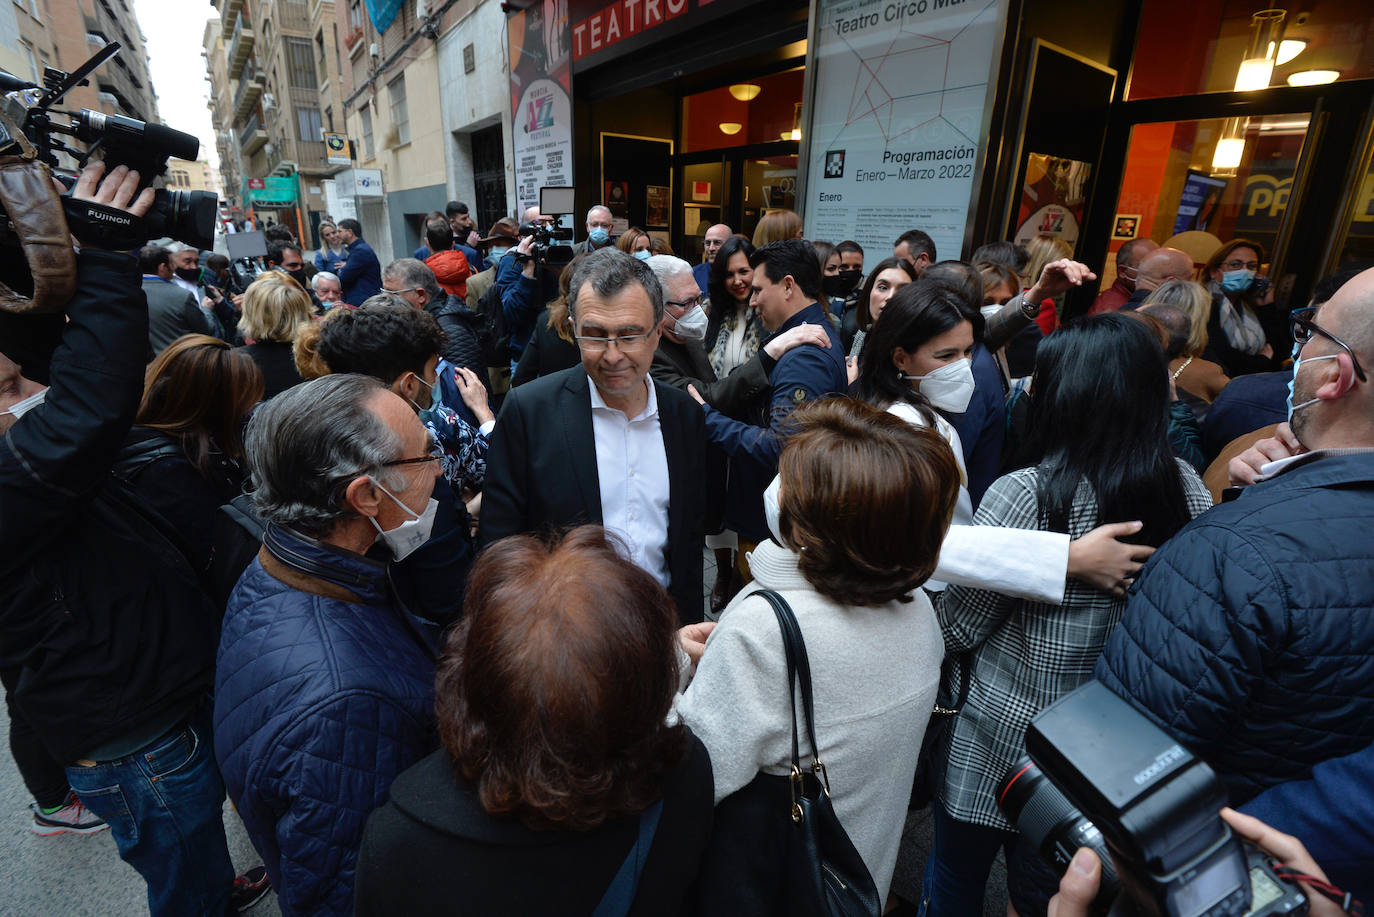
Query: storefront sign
x,y
336,149
602,30
256,184
540,85
897,125
274,189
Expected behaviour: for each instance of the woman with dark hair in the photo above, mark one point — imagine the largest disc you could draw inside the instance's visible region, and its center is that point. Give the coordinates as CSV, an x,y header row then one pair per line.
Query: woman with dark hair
x,y
551,347
183,456
888,276
558,766
1099,415
1238,339
733,329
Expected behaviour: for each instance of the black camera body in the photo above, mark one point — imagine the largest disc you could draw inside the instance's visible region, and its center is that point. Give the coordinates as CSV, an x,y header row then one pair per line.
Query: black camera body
x,y
27,130
1156,806
550,242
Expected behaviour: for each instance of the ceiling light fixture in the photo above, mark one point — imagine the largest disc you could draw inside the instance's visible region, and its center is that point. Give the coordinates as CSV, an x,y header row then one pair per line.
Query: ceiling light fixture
x,y
1289,48
1257,67
745,92
1313,77
730,127
793,134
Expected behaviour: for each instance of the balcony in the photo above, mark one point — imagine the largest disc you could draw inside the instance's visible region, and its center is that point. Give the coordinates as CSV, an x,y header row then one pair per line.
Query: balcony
x,y
289,156
241,45
251,85
228,9
252,136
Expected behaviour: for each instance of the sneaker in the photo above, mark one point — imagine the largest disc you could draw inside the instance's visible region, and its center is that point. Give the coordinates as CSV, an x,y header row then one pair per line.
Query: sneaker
x,y
72,818
250,888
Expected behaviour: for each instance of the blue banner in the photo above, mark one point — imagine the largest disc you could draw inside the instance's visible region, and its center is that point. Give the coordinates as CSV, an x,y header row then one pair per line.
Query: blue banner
x,y
381,12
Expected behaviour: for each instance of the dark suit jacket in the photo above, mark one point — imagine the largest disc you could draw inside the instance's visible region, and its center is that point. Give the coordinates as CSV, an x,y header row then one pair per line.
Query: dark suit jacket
x,y
542,474
361,275
172,312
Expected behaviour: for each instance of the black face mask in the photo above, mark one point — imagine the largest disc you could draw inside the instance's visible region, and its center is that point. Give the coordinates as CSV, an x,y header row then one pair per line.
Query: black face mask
x,y
188,274
841,284
299,277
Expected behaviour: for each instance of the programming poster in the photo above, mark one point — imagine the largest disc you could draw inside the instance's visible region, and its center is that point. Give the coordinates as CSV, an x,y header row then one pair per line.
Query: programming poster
x,y
540,86
897,119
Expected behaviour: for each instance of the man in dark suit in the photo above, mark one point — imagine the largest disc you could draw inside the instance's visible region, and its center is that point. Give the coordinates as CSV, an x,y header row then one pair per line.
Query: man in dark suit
x,y
360,273
172,311
602,443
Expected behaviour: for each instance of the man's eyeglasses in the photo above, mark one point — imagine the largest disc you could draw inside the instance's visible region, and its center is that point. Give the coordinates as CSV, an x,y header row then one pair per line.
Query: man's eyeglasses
x,y
401,292
1240,265
1301,324
686,303
626,342
436,453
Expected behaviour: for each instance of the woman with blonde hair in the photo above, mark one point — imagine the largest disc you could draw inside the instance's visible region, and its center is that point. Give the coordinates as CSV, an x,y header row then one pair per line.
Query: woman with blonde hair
x,y
777,224
1042,250
274,306
1191,373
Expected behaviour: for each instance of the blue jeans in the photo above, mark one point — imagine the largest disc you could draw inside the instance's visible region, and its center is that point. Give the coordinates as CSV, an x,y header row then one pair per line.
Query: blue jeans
x,y
957,869
164,804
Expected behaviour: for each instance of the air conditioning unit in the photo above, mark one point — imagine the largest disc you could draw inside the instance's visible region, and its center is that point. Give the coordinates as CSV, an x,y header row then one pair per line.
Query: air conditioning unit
x,y
374,50
269,101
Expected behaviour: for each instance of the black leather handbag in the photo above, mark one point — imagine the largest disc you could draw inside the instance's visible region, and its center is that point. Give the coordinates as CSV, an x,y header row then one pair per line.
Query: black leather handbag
x,y
930,763
778,847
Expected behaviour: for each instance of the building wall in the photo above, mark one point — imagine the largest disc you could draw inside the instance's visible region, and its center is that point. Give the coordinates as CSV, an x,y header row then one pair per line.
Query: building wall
x,y
10,58
476,100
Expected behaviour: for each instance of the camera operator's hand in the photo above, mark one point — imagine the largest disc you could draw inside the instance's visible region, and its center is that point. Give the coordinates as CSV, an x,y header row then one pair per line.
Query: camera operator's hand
x,y
1288,850
116,190
526,248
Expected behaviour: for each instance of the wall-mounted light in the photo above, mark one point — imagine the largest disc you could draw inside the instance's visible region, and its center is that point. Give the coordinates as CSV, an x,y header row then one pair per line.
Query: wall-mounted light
x,y
1313,77
1230,149
1289,48
730,127
1257,67
745,92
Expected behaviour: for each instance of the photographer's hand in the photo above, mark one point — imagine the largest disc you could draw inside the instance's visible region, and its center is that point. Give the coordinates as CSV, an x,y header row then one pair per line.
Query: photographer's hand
x,y
1288,850
1078,886
526,248
117,190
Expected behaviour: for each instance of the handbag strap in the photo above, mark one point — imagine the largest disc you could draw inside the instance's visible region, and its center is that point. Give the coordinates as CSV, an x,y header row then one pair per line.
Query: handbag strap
x,y
797,661
620,895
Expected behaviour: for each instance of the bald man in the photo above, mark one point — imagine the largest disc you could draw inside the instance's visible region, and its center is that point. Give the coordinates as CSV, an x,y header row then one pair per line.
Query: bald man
x,y
1128,258
1158,268
710,244
1249,636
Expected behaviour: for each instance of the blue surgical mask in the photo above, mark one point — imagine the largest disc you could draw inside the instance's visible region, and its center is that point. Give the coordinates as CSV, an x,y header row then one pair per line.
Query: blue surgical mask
x,y
495,252
644,254
435,396
1298,363
1237,281
599,235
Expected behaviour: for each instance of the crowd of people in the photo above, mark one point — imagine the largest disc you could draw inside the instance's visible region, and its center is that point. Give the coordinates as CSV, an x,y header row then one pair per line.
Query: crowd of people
x,y
408,560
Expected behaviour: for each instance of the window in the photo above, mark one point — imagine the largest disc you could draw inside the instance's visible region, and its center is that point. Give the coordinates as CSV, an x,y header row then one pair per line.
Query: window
x,y
33,61
469,58
329,117
400,115
338,55
355,13
367,132
322,62
301,64
308,124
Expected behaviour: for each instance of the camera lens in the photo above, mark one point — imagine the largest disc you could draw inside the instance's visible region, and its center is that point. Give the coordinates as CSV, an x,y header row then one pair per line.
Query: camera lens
x,y
1052,825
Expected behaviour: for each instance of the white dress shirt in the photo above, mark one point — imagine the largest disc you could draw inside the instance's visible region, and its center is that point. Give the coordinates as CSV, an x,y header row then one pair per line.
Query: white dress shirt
x,y
632,470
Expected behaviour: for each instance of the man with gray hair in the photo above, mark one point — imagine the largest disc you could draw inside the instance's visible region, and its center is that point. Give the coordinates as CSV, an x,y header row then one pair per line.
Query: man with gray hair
x,y
603,443
681,359
599,225
327,288
414,282
324,681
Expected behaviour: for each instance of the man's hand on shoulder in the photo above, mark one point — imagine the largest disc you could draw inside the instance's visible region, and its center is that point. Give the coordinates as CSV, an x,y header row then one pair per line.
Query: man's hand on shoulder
x,y
1244,469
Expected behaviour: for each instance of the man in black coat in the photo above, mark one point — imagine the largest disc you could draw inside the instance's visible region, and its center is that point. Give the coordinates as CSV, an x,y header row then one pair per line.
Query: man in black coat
x,y
602,443
107,641
172,310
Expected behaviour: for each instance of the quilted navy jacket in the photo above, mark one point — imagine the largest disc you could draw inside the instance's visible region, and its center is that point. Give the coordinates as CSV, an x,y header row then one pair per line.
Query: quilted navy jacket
x,y
323,694
1250,636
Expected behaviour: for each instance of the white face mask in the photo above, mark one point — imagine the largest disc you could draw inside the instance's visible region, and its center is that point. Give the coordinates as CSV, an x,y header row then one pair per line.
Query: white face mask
x,y
692,325
409,535
990,311
772,511
20,408
949,388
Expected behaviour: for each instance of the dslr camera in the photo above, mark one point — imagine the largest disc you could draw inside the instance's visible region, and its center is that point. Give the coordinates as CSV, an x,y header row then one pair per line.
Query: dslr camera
x,y
29,126
1101,775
